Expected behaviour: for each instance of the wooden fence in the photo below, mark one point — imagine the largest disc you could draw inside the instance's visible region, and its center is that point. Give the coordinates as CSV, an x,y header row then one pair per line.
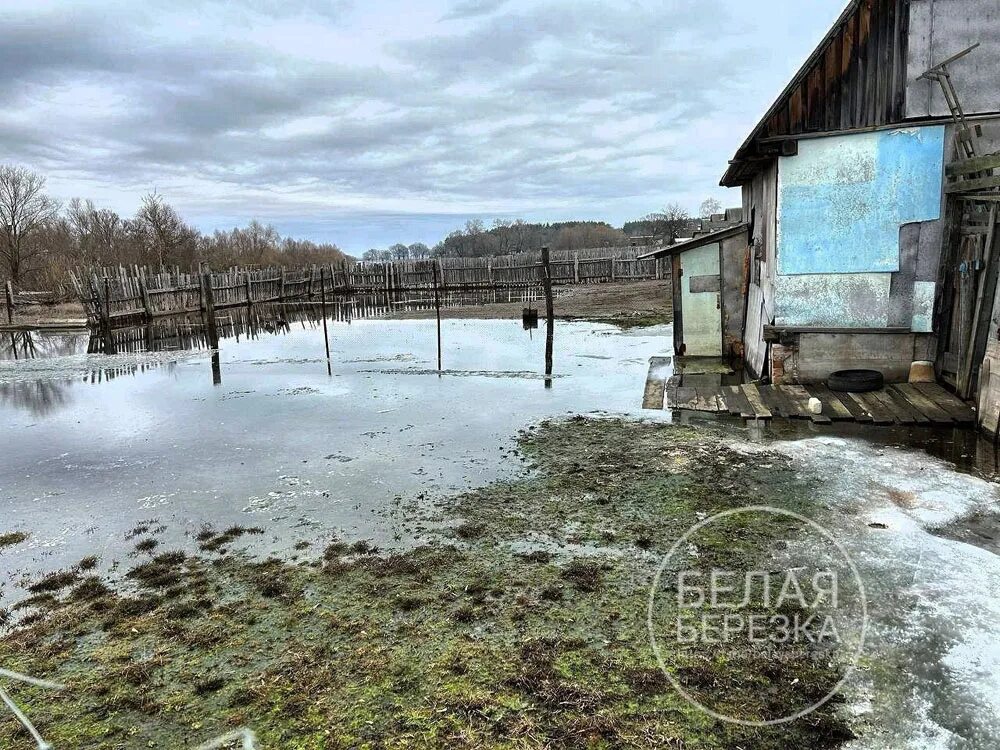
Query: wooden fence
x,y
128,295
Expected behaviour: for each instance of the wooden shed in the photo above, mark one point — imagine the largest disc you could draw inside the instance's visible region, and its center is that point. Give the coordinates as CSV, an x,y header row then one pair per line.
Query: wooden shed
x,y
871,188
708,288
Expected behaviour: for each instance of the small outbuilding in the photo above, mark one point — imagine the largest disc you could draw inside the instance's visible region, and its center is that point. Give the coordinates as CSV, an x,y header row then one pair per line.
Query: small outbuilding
x,y
708,280
871,193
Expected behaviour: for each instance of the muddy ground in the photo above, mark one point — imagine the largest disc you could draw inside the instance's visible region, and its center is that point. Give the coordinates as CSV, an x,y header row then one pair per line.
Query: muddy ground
x,y
66,312
640,303
519,620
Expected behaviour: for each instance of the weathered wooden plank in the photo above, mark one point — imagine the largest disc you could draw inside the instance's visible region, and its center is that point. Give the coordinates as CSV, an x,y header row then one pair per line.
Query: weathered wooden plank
x,y
686,398
832,406
773,400
652,396
858,409
970,166
799,398
737,402
802,396
901,415
926,406
880,414
670,391
913,414
948,402
655,390
706,399
968,186
720,397
753,398
701,380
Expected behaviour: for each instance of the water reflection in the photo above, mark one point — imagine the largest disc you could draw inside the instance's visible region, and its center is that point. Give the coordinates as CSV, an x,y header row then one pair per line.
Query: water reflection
x,y
40,397
194,333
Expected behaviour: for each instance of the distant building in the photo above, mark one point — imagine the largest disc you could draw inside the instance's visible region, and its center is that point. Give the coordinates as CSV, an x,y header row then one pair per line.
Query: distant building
x,y
871,204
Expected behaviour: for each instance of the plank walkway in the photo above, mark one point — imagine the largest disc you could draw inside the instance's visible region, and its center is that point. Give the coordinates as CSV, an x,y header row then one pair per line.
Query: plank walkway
x,y
925,404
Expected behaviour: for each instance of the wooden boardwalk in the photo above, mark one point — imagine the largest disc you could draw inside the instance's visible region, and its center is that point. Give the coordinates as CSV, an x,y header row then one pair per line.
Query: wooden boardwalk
x,y
926,404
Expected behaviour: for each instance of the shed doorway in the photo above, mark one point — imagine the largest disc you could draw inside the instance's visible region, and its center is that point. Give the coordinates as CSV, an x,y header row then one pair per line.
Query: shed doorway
x,y
701,301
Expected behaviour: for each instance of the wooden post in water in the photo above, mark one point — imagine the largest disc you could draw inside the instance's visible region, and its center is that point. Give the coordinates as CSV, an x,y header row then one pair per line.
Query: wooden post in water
x,y
549,314
208,310
437,309
322,302
10,303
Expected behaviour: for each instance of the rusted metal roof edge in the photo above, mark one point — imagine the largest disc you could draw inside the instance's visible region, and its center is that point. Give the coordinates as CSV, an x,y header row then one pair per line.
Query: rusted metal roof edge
x,y
680,247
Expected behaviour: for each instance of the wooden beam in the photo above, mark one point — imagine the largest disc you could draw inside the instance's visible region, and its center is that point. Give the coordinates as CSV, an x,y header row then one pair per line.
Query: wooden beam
x,y
973,165
968,186
753,398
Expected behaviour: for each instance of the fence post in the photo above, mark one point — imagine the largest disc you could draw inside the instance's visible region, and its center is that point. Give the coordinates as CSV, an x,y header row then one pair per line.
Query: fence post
x,y
576,267
107,302
437,308
208,306
246,279
612,267
10,303
146,306
549,314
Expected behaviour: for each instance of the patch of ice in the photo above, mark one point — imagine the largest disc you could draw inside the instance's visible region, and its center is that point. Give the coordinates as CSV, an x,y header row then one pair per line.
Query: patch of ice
x,y
934,602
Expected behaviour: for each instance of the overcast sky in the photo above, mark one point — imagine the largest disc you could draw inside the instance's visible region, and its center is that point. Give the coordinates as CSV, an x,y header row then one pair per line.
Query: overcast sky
x,y
373,121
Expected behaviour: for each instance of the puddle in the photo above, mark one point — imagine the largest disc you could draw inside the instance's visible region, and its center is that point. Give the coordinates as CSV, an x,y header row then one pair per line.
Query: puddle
x,y
264,436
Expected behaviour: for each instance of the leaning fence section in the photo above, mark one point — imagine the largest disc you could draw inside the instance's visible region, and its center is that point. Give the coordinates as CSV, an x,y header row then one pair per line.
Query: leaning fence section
x,y
121,295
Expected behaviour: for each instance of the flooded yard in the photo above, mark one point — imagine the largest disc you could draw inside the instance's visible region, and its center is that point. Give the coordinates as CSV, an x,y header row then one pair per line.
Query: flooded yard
x,y
257,542
104,443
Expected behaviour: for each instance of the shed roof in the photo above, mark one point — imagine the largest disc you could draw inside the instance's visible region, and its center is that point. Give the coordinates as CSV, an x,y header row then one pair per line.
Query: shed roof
x,y
679,247
855,78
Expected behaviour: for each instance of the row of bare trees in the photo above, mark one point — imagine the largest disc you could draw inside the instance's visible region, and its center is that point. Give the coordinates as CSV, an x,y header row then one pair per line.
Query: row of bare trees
x,y
512,236
40,240
507,237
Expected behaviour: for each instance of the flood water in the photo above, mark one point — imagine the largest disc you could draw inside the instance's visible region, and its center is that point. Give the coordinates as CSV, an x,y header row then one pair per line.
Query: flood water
x,y
266,436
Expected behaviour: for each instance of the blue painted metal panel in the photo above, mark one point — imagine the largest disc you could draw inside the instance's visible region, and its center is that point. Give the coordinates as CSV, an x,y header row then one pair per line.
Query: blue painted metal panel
x,y
842,199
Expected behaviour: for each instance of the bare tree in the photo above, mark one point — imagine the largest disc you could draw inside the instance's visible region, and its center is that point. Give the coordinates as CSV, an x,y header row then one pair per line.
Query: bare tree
x,y
668,224
98,233
167,231
708,207
399,251
25,209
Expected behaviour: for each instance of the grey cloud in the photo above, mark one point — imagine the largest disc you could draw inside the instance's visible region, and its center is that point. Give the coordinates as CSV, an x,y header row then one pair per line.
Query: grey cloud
x,y
474,8
502,108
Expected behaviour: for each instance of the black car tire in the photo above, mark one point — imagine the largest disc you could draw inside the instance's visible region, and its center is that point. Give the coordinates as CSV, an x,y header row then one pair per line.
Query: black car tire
x,y
855,381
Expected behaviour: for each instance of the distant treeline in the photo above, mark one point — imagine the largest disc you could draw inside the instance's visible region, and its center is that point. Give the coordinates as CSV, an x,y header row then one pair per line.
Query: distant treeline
x,y
508,237
40,240
511,236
